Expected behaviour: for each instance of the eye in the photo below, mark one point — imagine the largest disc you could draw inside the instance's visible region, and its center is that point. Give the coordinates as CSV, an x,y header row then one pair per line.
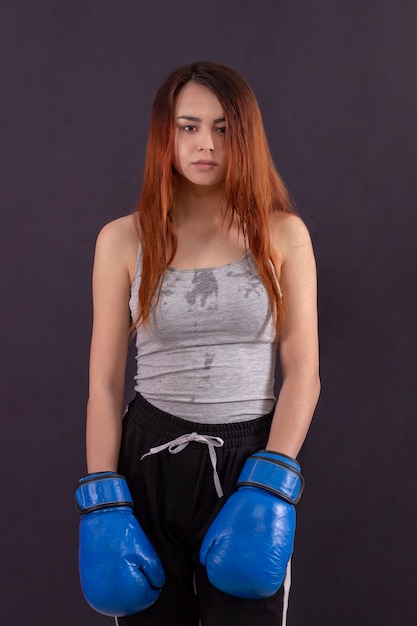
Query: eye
x,y
188,128
221,129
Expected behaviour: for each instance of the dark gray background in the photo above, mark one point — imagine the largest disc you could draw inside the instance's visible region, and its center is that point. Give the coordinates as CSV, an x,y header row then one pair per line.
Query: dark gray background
x,y
337,85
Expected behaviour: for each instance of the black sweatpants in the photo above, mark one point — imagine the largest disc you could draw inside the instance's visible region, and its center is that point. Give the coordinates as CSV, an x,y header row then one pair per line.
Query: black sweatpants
x,y
175,500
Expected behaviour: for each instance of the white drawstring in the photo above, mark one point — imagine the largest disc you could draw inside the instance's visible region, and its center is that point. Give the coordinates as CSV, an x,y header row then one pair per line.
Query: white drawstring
x,y
178,444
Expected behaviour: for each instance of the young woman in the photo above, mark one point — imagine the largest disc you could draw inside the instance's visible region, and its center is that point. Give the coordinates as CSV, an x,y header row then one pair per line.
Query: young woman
x,y
187,513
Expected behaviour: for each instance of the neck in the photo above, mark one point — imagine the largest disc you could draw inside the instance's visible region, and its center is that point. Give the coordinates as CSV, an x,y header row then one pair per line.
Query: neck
x,y
199,204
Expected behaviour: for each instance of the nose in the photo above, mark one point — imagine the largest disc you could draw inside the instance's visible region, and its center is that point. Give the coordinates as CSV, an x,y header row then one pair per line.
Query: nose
x,y
205,140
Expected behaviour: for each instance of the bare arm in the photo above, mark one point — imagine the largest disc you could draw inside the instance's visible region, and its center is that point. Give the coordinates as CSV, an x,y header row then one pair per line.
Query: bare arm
x,y
109,344
299,352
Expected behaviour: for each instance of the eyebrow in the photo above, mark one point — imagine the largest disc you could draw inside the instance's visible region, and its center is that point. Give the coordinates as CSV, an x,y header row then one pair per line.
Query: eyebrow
x,y
190,118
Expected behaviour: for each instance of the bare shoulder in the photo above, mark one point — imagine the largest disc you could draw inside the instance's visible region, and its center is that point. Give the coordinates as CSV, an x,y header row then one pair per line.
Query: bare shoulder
x,y
118,241
120,232
119,236
288,232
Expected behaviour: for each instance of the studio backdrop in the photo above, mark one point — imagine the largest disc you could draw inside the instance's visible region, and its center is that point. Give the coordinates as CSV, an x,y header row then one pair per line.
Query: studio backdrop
x,y
337,86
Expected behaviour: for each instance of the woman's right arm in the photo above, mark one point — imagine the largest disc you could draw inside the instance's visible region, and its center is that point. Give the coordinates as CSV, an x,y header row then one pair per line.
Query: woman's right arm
x,y
109,344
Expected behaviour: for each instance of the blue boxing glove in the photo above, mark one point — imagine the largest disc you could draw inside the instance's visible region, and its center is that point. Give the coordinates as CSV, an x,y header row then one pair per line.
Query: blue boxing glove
x,y
248,545
120,571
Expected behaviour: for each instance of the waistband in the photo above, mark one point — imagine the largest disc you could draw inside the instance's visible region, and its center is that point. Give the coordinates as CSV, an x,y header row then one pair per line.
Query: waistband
x,y
234,434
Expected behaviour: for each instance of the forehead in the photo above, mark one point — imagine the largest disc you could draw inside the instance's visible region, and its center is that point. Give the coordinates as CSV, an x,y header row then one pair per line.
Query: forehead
x,y
198,101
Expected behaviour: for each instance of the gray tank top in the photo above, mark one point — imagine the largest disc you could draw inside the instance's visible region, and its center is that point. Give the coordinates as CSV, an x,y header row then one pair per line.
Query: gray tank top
x,y
208,354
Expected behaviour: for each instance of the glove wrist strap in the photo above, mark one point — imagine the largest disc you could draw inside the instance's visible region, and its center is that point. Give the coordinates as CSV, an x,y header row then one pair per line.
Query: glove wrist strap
x,y
275,473
102,491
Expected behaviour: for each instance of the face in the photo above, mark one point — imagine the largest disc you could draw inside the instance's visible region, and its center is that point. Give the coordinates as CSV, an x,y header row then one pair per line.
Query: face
x,y
199,155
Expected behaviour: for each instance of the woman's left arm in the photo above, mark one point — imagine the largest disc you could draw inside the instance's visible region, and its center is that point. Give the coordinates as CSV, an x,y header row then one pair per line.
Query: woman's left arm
x,y
298,346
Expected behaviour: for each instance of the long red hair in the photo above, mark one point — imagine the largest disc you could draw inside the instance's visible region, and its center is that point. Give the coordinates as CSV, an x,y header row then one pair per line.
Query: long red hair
x,y
253,188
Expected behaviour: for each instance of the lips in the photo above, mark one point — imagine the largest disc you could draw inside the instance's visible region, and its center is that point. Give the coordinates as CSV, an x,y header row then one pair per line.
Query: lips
x,y
204,162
